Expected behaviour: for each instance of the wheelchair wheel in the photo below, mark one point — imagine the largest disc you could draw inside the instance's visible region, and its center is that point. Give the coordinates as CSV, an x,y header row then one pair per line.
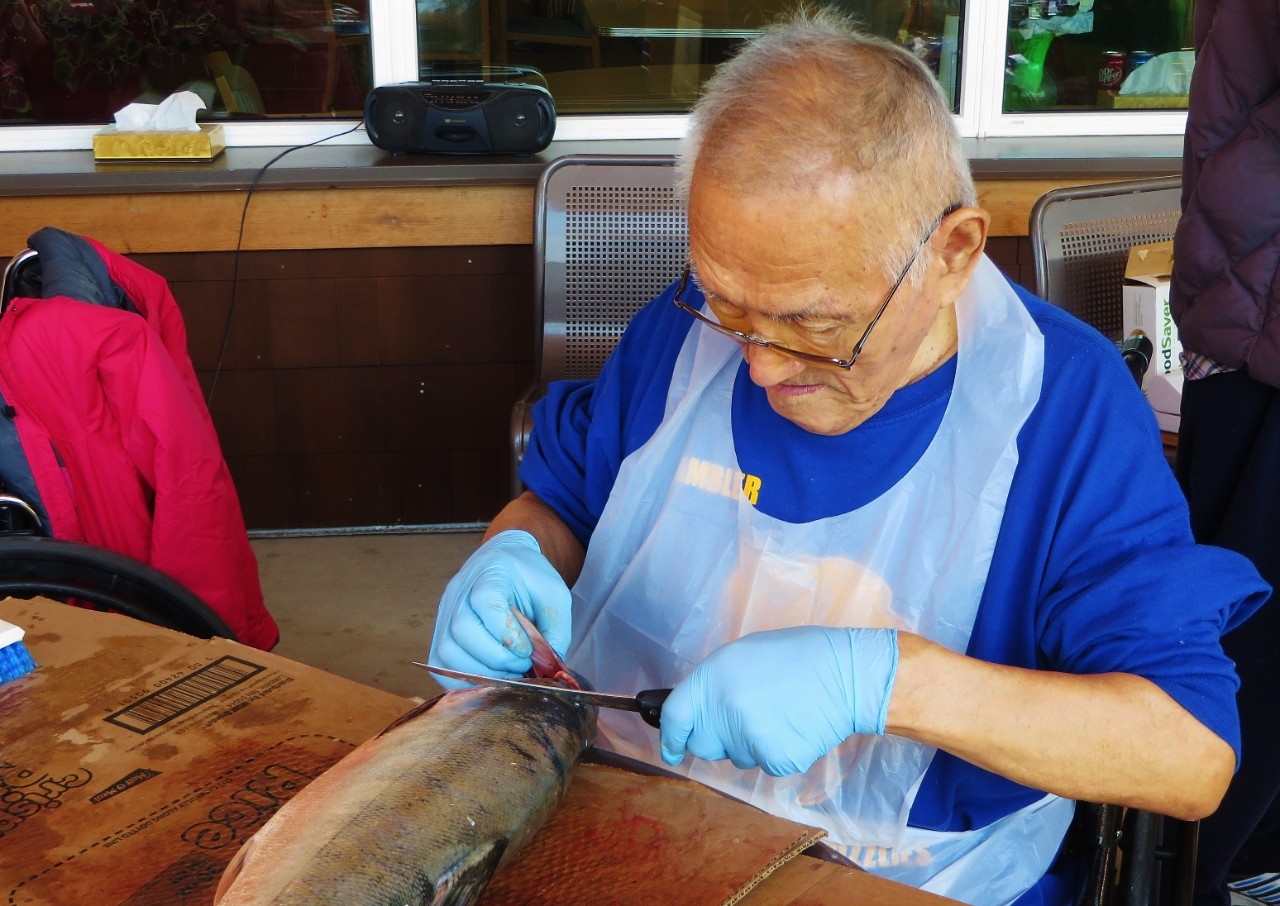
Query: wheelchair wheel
x,y
32,566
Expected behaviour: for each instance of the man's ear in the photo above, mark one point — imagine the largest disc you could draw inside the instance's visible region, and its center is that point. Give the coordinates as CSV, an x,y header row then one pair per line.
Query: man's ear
x,y
958,246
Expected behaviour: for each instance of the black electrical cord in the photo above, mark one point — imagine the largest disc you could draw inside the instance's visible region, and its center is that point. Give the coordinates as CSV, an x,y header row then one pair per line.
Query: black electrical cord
x,y
235,267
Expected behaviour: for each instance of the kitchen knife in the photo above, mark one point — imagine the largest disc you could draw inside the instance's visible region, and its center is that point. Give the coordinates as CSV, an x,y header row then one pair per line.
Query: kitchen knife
x,y
648,704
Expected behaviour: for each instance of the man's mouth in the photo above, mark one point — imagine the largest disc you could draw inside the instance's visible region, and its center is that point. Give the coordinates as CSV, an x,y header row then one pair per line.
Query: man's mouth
x,y
794,391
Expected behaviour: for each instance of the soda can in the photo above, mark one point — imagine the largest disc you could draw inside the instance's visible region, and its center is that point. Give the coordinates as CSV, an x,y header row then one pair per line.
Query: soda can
x,y
1110,70
1135,59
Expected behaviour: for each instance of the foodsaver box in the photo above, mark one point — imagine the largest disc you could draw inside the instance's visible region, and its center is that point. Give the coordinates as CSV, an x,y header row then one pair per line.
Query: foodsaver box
x,y
1145,299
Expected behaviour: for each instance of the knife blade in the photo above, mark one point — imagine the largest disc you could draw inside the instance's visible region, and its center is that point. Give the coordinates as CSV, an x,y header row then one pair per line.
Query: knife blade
x,y
648,704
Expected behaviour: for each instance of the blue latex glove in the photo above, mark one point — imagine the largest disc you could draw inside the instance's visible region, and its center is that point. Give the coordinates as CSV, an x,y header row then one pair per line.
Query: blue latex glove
x,y
475,629
779,700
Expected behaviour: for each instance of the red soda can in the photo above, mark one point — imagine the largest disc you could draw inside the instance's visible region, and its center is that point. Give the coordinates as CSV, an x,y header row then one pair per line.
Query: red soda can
x,y
1110,70
1135,59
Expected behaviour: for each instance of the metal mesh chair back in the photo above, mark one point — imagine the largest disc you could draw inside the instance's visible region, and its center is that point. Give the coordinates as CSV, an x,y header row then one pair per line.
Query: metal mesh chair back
x,y
1081,236
610,234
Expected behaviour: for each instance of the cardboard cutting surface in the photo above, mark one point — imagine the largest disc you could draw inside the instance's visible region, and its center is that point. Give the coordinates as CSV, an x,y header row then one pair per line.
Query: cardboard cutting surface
x,y
632,840
809,882
134,762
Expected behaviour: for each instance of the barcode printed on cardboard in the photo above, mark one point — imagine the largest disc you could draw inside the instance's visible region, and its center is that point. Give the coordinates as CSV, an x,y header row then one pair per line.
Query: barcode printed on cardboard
x,y
182,695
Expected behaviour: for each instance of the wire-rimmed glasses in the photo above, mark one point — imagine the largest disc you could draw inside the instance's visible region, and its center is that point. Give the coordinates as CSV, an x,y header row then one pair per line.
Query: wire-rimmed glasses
x,y
813,357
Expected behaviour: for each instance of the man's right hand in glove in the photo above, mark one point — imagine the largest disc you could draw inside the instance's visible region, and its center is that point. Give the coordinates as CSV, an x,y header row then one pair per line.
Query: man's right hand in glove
x,y
475,629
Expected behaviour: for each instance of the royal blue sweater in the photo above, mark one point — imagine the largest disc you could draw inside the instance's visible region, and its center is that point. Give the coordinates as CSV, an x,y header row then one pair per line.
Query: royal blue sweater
x,y
1094,570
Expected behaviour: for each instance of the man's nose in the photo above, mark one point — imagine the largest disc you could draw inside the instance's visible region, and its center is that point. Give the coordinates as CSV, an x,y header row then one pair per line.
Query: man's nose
x,y
768,367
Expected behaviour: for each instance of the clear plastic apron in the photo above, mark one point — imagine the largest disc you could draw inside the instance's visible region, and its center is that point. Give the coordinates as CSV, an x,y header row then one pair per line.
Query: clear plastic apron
x,y
681,563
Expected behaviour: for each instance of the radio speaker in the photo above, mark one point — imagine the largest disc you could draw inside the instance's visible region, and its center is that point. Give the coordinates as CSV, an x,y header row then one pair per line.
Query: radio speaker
x,y
460,117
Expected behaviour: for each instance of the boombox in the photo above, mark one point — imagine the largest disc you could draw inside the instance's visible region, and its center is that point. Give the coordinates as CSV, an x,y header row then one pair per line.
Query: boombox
x,y
460,116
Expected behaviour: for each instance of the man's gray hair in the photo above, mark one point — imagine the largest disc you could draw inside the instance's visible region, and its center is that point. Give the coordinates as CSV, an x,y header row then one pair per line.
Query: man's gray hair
x,y
813,102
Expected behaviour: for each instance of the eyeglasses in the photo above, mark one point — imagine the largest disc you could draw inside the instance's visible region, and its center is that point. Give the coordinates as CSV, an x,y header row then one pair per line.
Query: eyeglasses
x,y
845,364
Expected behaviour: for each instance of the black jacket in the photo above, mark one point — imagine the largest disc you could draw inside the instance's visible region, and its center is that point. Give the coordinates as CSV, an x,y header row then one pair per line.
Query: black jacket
x,y
1226,280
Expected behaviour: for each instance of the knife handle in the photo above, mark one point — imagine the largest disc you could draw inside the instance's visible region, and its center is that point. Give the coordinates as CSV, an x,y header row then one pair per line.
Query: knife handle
x,y
651,705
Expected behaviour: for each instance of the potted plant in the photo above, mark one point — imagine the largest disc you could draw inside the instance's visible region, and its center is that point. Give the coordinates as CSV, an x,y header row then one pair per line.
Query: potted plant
x,y
17,28
103,52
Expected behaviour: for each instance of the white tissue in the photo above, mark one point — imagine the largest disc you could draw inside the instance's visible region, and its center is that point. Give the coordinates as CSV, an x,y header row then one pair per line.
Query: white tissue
x,y
1169,73
176,113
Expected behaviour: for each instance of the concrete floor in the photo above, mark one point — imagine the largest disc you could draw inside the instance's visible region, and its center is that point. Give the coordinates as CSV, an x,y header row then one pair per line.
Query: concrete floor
x,y
361,606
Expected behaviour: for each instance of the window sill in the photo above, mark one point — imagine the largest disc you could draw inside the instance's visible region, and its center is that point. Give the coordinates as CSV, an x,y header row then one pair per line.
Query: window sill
x,y
365,166
424,200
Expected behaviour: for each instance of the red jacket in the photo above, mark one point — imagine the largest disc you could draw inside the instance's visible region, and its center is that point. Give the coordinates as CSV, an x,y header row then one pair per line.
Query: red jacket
x,y
121,444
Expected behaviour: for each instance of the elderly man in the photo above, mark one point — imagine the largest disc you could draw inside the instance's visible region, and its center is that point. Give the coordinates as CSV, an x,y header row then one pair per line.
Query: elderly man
x,y
901,536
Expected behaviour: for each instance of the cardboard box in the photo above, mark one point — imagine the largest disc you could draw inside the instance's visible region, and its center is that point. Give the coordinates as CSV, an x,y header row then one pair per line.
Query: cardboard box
x,y
111,143
1164,392
1147,278
134,760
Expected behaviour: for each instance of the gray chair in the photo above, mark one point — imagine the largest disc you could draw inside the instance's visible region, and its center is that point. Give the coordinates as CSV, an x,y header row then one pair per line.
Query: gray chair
x,y
609,235
1080,240
1081,236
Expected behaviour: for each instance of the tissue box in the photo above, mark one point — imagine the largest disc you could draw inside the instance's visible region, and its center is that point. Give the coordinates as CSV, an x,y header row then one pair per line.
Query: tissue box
x,y
113,144
1145,307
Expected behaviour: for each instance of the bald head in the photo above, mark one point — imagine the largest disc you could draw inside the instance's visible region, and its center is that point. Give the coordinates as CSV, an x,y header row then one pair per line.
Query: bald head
x,y
813,106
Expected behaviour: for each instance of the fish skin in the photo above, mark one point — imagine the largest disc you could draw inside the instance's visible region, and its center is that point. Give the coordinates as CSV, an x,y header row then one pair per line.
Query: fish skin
x,y
423,813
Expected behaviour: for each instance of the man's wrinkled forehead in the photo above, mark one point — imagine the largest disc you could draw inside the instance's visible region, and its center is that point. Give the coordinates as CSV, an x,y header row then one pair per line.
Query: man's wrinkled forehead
x,y
761,165
844,208
802,241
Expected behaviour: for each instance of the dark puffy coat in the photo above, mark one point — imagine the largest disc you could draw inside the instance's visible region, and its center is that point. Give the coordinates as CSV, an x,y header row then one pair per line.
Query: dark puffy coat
x,y
1226,287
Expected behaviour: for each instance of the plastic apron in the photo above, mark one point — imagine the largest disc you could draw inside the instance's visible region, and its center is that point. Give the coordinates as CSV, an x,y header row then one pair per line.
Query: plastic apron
x,y
680,563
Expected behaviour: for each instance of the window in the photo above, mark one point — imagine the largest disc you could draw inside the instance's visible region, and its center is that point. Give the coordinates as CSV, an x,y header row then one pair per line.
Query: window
x,y
1097,54
281,71
648,56
78,61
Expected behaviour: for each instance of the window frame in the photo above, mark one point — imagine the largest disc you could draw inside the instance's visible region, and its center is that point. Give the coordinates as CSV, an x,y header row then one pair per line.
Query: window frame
x,y
395,59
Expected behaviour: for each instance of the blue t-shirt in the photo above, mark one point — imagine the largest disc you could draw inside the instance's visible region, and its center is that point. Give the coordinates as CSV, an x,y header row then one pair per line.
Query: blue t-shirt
x,y
1094,571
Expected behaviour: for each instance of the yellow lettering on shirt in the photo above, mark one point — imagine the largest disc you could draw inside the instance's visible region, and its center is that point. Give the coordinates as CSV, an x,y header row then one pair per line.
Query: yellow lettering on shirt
x,y
717,479
883,856
702,474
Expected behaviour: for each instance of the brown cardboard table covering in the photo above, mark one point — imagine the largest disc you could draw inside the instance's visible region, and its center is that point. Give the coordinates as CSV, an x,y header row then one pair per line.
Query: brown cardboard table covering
x,y
804,881
135,760
633,840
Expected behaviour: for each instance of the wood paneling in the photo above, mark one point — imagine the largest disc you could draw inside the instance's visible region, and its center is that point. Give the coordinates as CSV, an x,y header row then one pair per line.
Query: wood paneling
x,y
346,218
1009,201
361,387
1012,254
351,218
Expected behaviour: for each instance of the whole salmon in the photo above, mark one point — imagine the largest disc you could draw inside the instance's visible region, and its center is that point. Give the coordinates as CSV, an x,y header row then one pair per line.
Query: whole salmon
x,y
423,813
